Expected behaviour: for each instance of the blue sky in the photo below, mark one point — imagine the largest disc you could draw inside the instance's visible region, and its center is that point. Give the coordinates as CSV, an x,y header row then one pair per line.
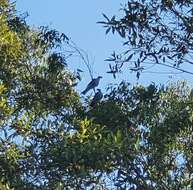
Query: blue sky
x,y
77,19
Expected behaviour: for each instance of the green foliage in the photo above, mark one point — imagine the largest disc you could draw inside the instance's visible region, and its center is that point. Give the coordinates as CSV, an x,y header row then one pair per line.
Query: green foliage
x,y
136,138
35,85
141,140
4,186
154,33
154,127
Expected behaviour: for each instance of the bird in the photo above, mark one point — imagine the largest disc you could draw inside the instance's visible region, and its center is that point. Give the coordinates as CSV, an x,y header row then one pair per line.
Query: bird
x,y
92,84
97,97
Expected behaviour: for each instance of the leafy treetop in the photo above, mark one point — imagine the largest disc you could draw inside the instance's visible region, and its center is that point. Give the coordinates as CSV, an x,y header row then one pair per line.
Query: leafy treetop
x,y
155,33
136,138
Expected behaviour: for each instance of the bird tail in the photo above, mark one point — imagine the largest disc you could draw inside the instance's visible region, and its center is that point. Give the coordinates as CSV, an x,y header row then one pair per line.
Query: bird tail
x,y
84,92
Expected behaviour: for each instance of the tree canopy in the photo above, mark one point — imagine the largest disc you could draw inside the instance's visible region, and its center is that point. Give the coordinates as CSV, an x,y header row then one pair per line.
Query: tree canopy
x,y
136,137
155,33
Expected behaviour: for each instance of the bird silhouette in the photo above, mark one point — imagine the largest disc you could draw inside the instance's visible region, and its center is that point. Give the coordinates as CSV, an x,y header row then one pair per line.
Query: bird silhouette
x,y
92,84
97,97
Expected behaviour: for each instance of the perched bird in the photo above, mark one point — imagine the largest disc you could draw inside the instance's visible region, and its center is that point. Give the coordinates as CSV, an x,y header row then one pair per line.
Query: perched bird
x,y
97,97
94,83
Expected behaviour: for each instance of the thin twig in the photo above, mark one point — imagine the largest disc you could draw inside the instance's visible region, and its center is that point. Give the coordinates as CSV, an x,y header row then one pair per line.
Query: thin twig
x,y
84,56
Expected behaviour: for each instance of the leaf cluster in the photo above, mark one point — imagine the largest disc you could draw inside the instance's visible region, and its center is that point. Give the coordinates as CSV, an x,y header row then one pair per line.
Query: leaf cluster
x,y
155,33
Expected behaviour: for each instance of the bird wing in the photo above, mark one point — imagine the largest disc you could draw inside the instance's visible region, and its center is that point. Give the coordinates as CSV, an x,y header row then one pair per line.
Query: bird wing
x,y
92,84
